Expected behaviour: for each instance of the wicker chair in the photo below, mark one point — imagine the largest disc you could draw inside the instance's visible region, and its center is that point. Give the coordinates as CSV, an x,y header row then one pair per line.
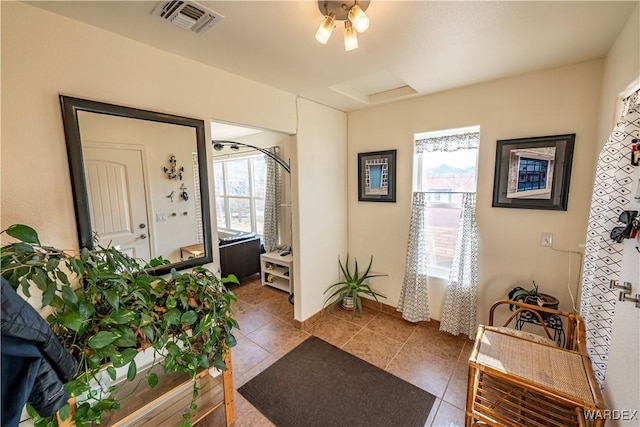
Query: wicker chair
x,y
520,379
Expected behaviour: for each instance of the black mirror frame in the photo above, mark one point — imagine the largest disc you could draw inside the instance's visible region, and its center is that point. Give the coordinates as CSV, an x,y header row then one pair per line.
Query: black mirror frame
x,y
70,108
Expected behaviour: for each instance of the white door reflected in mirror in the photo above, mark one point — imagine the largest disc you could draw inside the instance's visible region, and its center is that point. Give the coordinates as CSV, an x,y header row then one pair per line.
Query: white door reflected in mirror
x,y
117,201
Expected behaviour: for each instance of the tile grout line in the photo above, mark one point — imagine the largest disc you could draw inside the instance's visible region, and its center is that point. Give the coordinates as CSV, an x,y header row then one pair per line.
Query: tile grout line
x,y
262,326
401,347
349,340
353,323
435,414
384,336
451,377
273,317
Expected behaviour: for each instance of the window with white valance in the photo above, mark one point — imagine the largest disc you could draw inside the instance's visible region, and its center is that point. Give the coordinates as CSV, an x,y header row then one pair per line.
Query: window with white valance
x,y
445,169
443,234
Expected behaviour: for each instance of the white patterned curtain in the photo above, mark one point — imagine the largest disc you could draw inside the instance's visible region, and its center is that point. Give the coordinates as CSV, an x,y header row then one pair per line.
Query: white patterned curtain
x,y
414,303
459,308
272,201
603,256
454,142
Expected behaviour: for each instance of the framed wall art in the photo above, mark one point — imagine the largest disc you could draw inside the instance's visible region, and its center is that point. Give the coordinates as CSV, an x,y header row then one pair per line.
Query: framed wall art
x,y
533,173
377,176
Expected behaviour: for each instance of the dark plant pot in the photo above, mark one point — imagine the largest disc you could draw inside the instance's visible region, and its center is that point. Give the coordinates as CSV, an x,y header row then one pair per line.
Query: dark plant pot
x,y
549,301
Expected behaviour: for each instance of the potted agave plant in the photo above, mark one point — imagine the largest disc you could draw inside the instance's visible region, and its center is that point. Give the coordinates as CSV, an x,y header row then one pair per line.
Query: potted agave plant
x,y
348,291
106,308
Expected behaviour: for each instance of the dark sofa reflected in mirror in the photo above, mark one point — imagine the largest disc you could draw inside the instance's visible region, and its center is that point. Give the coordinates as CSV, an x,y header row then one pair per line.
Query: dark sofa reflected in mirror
x,y
240,255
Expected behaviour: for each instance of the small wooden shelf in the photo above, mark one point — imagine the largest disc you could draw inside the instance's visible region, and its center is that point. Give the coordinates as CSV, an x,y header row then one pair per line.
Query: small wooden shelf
x,y
277,271
278,283
192,251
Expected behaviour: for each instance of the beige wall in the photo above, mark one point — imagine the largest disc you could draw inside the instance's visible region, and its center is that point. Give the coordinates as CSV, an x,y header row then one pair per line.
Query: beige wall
x,y
55,55
622,65
550,102
318,188
622,383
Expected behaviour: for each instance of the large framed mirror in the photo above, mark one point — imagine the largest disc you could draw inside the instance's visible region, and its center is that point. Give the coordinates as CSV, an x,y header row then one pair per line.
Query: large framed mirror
x,y
139,182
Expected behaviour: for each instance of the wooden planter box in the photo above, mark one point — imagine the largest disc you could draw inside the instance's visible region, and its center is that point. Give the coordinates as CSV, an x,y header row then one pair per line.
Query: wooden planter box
x,y
165,403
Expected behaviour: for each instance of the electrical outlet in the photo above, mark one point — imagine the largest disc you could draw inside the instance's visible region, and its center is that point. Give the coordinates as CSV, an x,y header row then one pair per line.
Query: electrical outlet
x,y
546,239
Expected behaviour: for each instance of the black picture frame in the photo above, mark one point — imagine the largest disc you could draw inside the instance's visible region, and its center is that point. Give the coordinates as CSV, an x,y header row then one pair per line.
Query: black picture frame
x,y
533,173
377,168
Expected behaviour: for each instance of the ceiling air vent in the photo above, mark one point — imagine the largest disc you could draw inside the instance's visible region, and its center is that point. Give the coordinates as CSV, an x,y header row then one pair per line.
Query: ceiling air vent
x,y
188,15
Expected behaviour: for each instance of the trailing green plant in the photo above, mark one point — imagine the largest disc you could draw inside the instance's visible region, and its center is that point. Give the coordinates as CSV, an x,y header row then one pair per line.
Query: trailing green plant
x,y
354,284
105,308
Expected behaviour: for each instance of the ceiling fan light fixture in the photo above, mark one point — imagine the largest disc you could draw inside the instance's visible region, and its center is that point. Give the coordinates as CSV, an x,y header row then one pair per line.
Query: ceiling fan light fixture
x,y
326,28
358,18
350,37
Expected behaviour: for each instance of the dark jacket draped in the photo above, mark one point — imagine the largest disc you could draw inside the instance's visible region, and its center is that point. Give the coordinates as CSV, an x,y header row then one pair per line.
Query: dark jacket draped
x,y
35,366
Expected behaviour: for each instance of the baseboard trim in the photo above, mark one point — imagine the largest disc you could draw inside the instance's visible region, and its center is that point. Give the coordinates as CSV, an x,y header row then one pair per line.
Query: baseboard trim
x,y
305,325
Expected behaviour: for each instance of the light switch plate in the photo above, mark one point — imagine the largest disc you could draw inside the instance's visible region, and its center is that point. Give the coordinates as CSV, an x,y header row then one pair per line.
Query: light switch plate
x,y
546,239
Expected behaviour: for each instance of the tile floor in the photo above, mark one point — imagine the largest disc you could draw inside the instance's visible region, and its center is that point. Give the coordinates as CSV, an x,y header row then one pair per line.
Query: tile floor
x,y
421,355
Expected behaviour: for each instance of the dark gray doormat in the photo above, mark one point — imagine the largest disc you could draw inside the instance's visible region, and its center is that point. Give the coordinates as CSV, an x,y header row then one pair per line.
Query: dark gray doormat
x,y
317,384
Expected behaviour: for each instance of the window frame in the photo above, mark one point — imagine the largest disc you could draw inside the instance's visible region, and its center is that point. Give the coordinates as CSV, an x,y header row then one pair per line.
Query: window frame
x,y
226,196
418,158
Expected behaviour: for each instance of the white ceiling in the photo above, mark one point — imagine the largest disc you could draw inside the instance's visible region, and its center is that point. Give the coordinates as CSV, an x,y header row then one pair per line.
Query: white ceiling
x,y
421,46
